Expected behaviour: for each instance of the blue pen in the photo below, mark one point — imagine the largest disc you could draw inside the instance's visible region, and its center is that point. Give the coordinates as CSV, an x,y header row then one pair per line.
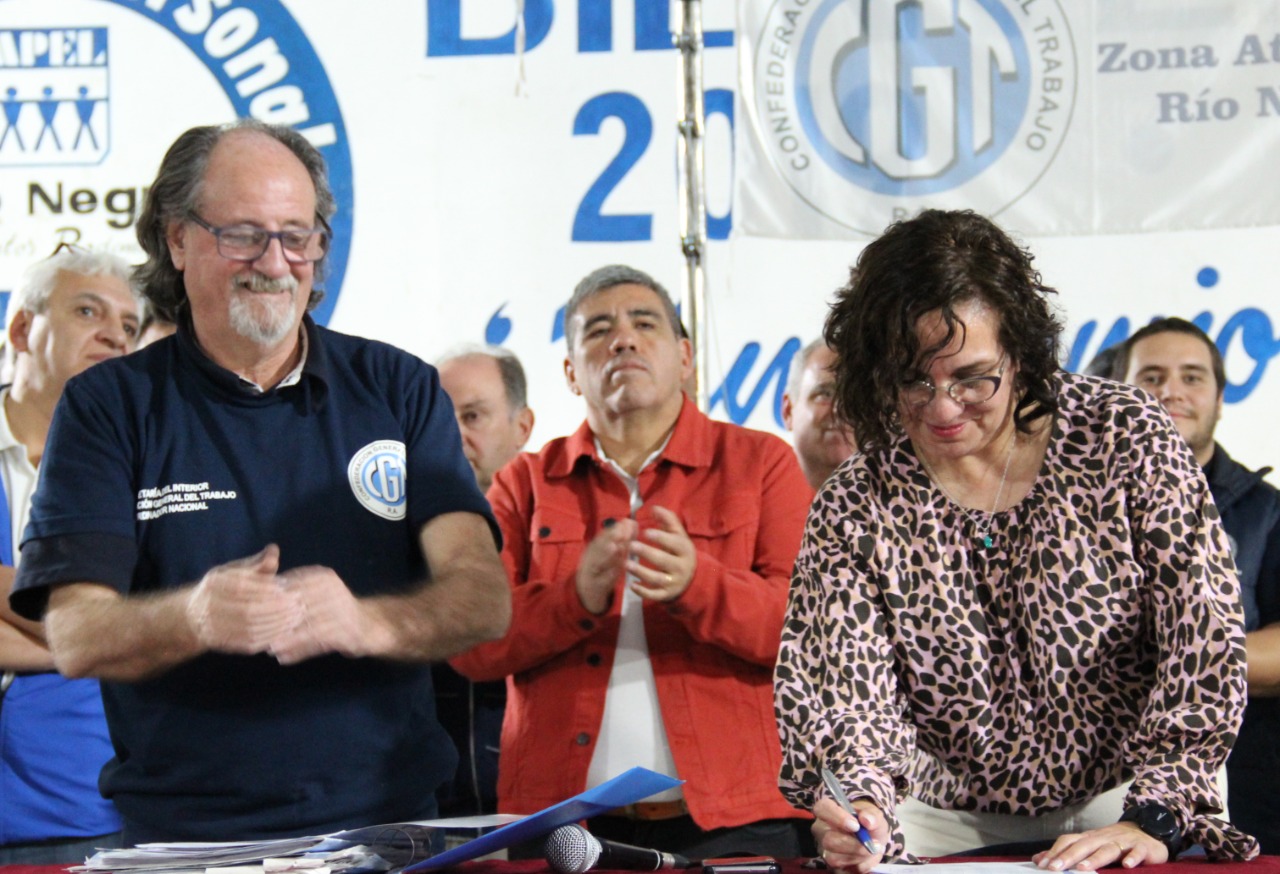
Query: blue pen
x,y
838,793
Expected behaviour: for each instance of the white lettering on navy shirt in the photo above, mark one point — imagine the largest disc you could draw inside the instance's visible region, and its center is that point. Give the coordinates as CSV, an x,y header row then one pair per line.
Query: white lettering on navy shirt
x,y
178,498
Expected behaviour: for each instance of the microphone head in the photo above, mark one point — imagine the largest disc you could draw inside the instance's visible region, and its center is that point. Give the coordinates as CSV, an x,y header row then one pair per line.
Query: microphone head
x,y
571,849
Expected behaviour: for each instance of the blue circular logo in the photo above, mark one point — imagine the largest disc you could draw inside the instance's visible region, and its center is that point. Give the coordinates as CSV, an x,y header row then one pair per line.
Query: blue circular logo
x,y
873,110
378,478
933,106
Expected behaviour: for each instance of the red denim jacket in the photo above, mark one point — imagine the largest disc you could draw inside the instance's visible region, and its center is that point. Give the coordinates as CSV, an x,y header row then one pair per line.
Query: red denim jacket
x,y
743,500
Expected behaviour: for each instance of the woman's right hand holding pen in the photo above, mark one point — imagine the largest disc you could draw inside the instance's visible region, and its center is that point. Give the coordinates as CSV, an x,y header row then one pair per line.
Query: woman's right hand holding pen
x,y
836,834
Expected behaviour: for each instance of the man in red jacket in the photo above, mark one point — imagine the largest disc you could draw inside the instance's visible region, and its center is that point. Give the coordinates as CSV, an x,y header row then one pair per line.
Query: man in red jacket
x,y
650,554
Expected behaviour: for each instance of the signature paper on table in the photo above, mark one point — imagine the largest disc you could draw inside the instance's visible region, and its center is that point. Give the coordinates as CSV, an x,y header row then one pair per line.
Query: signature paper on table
x,y
627,788
966,868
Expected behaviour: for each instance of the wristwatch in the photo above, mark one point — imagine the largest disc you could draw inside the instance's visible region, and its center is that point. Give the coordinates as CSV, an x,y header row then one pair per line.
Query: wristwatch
x,y
1157,821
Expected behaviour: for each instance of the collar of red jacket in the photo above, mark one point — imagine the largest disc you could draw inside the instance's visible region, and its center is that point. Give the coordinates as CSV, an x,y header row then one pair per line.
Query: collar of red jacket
x,y
691,444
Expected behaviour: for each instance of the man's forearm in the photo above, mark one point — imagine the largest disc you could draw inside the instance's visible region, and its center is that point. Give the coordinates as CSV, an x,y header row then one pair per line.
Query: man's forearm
x,y
94,631
22,644
21,652
465,604
32,630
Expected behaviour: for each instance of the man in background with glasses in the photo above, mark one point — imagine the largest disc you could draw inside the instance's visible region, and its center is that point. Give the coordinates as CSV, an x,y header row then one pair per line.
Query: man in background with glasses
x,y
73,310
261,499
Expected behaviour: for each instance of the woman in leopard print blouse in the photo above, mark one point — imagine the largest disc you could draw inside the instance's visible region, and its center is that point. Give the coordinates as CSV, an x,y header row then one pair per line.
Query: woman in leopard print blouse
x,y
1014,616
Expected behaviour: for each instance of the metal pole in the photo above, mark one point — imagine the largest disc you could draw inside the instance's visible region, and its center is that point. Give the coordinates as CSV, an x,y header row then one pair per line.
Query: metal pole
x,y
692,184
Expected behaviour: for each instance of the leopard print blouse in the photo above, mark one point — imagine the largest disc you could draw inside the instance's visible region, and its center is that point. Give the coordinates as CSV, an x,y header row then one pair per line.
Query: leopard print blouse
x,y
1098,639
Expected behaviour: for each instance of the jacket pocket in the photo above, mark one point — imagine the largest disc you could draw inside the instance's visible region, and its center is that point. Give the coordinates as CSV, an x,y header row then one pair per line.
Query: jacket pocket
x,y
558,539
728,529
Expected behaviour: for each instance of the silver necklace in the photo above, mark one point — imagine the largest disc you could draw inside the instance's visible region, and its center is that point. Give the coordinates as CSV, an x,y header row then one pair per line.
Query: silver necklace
x,y
984,525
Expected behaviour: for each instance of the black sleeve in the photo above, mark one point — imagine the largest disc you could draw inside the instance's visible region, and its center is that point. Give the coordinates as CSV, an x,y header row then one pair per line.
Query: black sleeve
x,y
70,558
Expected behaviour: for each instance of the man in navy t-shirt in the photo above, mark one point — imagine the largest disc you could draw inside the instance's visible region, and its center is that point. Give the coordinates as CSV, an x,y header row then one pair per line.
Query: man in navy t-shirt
x,y
258,532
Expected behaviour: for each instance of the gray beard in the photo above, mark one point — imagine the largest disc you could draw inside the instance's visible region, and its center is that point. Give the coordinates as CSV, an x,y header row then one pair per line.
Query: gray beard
x,y
265,325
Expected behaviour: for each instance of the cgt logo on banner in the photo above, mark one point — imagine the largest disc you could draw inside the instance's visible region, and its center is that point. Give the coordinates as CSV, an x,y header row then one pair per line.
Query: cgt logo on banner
x,y
869,111
83,109
860,113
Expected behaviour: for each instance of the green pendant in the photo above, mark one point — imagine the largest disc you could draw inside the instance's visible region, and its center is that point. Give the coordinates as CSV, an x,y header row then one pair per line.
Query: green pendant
x,y
986,541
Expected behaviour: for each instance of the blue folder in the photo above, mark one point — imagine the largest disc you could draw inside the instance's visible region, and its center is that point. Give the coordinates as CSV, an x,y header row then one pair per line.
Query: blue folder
x,y
628,788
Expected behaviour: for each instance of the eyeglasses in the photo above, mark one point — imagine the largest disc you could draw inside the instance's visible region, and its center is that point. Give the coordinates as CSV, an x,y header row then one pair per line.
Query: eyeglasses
x,y
69,248
250,242
974,390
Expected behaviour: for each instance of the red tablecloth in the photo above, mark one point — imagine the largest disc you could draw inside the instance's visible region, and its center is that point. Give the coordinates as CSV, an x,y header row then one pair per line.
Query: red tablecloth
x,y
1261,865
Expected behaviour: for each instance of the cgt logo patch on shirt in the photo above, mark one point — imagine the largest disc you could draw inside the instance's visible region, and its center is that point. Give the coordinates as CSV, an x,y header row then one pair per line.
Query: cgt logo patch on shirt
x,y
377,474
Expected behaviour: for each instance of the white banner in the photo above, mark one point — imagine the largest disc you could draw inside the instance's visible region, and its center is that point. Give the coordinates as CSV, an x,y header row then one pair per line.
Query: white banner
x,y
1053,116
473,201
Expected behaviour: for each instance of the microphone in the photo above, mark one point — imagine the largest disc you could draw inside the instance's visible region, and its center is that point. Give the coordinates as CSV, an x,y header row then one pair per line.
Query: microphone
x,y
571,849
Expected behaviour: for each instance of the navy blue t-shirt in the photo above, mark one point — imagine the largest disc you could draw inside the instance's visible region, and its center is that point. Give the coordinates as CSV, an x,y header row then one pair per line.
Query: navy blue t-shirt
x,y
161,465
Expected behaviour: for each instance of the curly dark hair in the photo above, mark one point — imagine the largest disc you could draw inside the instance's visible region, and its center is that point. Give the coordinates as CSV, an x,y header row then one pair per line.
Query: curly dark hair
x,y
175,195
937,261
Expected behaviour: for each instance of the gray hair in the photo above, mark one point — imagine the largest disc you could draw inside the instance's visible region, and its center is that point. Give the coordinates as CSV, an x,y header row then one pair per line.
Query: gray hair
x,y
799,362
41,278
605,278
176,192
509,368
